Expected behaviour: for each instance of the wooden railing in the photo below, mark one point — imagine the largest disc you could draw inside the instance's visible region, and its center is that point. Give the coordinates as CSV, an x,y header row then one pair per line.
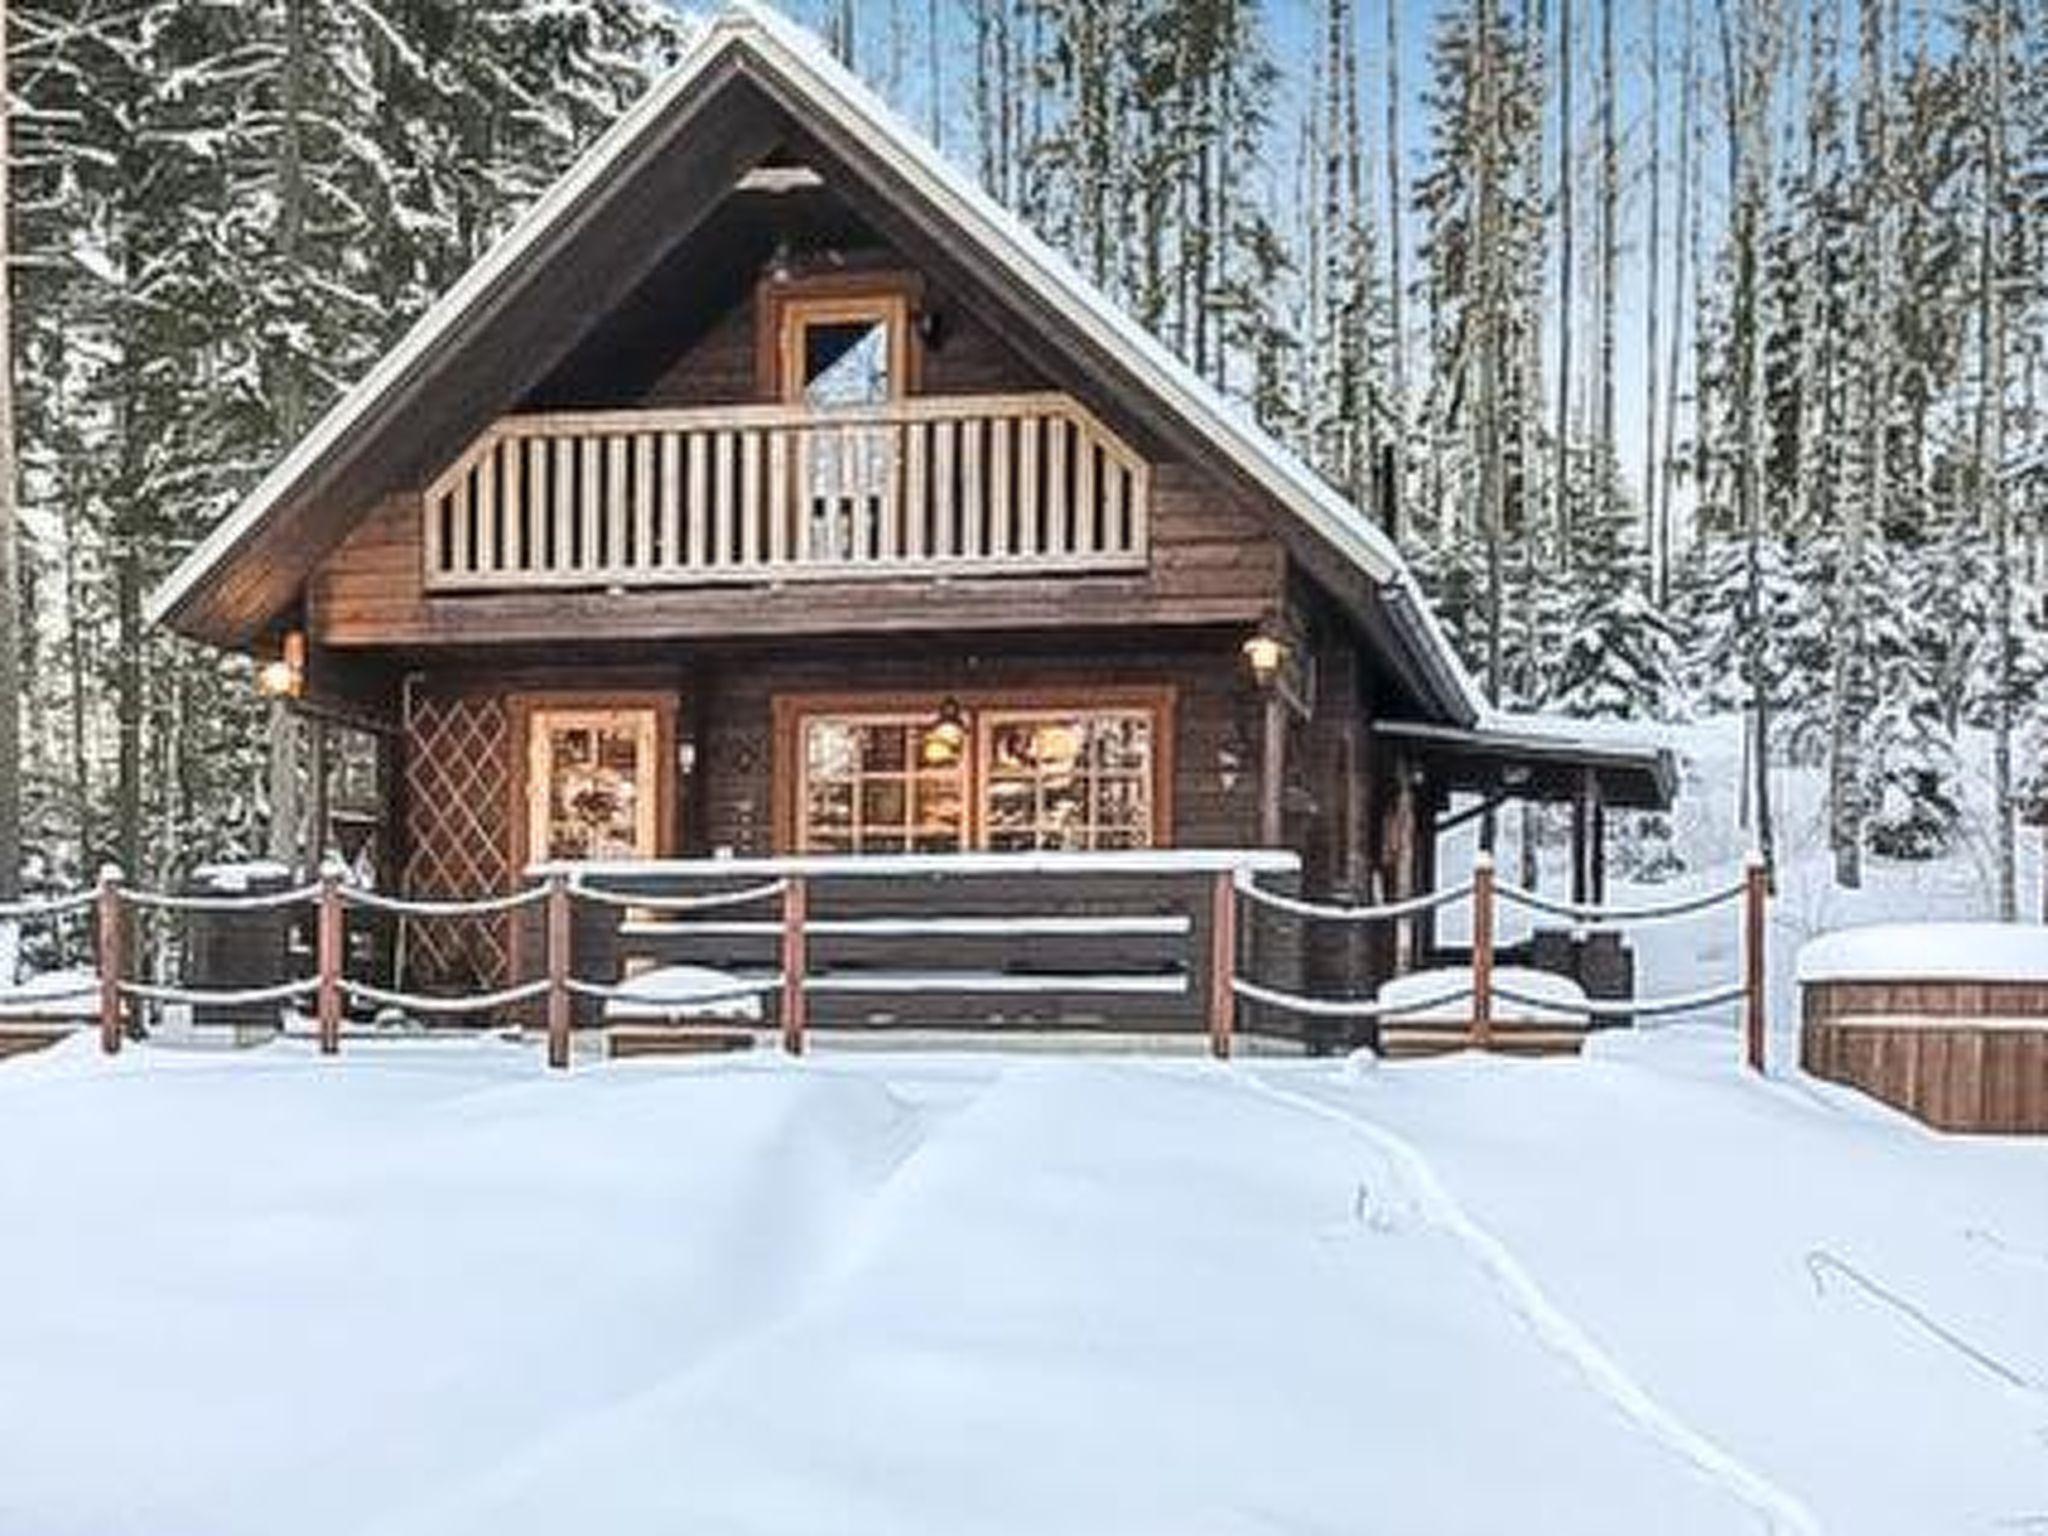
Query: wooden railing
x,y
976,485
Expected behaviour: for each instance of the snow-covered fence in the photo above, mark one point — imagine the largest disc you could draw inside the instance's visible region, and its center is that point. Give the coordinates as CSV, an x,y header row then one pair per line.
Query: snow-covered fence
x,y
45,909
1486,893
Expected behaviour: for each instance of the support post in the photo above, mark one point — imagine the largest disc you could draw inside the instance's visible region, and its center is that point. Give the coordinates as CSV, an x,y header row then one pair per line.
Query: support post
x,y
108,914
1273,771
328,949
558,929
794,902
1756,890
1222,962
1482,951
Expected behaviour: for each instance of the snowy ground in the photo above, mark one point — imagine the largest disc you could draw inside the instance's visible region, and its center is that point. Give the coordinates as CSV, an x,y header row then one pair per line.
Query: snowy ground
x,y
428,1288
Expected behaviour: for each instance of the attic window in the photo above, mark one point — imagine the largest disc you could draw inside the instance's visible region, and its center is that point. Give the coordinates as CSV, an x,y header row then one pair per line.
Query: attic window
x,y
844,351
775,179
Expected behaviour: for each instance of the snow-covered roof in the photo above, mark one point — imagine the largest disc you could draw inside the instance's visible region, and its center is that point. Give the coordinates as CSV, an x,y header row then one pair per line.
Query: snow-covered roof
x,y
786,57
1636,762
1928,952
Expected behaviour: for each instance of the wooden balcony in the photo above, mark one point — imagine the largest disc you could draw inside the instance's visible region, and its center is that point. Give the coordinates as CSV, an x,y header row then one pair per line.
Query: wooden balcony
x,y
933,486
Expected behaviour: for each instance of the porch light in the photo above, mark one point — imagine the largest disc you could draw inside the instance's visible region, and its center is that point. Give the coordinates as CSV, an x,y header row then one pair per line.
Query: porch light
x,y
947,735
1267,653
284,675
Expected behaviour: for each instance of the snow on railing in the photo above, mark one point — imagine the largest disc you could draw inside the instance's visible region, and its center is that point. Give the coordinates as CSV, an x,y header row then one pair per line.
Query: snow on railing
x,y
1485,893
1231,876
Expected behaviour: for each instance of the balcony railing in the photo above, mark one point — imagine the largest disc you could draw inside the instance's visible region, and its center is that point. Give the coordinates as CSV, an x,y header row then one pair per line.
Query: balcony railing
x,y
934,486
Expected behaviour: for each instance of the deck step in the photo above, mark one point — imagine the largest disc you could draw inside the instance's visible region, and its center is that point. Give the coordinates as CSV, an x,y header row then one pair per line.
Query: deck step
x,y
622,1040
20,1039
1401,1042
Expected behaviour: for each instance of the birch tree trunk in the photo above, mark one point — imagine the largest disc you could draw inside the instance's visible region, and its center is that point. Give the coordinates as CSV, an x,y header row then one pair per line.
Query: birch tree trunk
x,y
1861,513
1990,467
11,636
1561,446
1397,297
1601,485
1652,529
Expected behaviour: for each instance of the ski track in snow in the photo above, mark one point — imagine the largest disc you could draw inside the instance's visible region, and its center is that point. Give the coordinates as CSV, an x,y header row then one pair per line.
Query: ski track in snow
x,y
1550,1325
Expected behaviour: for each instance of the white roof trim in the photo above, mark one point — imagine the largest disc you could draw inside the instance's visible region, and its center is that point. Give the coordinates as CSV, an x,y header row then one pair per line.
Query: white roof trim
x,y
786,49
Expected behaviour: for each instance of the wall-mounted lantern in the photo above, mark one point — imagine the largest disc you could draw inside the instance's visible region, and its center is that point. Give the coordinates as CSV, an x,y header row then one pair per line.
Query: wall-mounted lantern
x,y
283,676
946,737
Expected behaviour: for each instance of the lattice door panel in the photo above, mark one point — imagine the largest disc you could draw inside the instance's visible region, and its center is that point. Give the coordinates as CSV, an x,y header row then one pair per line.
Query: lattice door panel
x,y
458,792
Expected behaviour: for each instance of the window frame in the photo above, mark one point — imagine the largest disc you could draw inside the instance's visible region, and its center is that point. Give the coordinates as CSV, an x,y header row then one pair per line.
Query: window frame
x,y
788,305
794,712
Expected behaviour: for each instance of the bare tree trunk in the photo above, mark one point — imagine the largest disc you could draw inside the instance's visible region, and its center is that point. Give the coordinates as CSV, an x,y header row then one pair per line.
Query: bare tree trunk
x,y
1486,414
1610,263
1864,512
1990,476
1652,527
1561,473
1683,238
1749,70
284,842
11,636
1397,297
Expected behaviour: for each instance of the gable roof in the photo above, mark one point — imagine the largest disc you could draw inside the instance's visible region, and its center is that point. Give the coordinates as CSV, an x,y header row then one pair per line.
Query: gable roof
x,y
752,41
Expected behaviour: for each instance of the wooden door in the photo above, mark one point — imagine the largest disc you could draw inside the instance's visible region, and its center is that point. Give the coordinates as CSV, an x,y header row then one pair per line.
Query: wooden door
x,y
594,782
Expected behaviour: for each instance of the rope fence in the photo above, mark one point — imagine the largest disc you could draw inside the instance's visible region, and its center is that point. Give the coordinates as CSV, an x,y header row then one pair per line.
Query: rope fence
x,y
1750,894
1232,885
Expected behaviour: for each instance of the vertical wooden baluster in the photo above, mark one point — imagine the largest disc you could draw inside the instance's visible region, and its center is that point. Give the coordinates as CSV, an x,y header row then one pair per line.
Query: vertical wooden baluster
x,y
1057,488
1086,513
895,465
558,931
999,498
1482,951
750,498
1756,891
945,502
974,543
1029,501
434,509
1115,538
643,501
1222,962
723,549
538,557
563,506
113,960
512,505
916,498
697,452
778,496
459,557
671,502
487,510
591,504
794,916
328,949
618,505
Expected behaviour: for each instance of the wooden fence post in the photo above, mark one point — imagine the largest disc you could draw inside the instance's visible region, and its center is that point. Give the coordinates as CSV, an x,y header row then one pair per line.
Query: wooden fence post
x,y
1222,962
794,904
1756,877
328,951
1482,951
558,930
108,912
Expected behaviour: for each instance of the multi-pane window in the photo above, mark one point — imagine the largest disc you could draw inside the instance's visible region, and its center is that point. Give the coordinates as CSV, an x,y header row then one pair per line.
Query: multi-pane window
x,y
1066,779
1011,780
882,784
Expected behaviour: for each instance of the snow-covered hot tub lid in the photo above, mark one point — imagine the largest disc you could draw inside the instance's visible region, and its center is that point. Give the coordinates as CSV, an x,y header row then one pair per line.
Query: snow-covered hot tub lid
x,y
1561,1000
1928,952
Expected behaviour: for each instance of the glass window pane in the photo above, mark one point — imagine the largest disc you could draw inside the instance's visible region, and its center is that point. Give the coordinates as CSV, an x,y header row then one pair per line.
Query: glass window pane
x,y
846,362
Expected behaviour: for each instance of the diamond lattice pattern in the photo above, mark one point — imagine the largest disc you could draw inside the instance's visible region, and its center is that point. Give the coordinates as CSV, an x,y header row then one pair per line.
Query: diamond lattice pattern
x,y
458,766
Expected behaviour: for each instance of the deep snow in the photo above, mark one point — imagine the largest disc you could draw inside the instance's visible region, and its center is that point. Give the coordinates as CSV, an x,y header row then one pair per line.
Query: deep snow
x,y
427,1287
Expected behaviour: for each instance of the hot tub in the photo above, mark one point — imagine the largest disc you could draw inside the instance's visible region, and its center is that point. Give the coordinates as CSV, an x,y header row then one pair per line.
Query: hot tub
x,y
1947,1021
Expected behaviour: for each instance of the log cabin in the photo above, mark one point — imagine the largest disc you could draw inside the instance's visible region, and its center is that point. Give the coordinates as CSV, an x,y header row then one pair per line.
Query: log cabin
x,y
770,490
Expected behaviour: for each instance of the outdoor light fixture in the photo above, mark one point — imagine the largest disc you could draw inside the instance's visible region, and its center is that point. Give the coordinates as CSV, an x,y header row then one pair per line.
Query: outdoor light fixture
x,y
284,675
947,735
782,264
1267,653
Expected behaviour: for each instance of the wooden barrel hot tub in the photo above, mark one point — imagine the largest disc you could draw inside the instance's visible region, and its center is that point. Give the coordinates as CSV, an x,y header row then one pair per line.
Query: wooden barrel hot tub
x,y
1947,1021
